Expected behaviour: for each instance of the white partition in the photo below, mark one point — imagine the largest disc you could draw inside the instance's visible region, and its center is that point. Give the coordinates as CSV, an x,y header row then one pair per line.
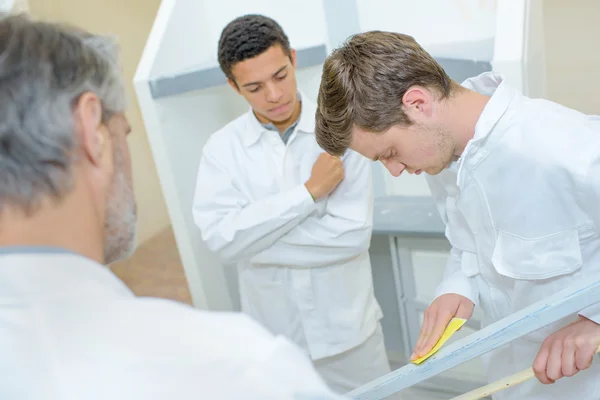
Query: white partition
x,y
191,39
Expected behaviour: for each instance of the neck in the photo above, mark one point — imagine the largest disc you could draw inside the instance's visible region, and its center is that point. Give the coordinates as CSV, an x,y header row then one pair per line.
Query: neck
x,y
70,224
282,126
460,115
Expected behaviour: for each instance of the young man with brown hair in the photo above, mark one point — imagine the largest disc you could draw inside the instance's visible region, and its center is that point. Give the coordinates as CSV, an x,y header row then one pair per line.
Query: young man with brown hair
x,y
517,182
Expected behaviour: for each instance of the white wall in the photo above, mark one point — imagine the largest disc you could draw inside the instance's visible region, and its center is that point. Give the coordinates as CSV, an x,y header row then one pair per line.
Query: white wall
x,y
572,33
433,23
192,41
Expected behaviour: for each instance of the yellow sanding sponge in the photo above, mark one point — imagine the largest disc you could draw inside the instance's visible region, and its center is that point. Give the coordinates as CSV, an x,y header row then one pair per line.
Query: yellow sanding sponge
x,y
454,325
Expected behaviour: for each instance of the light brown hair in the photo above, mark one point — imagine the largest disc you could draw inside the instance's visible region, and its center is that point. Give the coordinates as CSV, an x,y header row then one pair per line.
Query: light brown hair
x,y
364,81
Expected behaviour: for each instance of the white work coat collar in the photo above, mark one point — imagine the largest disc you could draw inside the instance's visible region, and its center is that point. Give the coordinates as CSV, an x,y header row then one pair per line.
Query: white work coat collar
x,y
38,273
306,124
489,84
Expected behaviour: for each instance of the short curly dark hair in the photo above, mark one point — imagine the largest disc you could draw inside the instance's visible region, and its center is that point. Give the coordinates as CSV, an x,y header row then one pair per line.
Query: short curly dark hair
x,y
249,36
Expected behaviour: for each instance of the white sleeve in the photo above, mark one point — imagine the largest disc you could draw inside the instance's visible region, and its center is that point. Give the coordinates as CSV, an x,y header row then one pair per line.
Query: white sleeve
x,y
236,227
590,199
455,280
343,233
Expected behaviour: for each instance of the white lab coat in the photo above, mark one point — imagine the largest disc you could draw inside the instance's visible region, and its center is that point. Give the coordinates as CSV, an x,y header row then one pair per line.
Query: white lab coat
x,y
304,267
70,330
522,208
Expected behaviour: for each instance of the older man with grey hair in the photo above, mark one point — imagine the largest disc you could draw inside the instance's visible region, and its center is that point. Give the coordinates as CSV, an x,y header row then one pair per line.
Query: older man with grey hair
x,y
69,329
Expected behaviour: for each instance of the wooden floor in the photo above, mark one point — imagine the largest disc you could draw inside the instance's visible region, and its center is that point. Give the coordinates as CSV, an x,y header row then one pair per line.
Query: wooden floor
x,y
155,269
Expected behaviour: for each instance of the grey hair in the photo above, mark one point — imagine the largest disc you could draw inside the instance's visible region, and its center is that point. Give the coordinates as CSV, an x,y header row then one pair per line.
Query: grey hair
x,y
44,69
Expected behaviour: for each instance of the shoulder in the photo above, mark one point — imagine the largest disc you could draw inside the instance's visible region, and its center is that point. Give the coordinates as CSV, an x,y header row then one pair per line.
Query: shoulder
x,y
143,333
234,329
147,347
544,133
220,142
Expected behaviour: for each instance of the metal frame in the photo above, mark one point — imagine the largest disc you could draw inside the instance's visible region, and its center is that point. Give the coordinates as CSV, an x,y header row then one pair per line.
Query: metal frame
x,y
407,279
409,307
400,299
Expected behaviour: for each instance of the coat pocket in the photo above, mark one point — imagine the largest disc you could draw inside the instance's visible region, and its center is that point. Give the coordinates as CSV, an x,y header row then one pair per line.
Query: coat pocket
x,y
537,258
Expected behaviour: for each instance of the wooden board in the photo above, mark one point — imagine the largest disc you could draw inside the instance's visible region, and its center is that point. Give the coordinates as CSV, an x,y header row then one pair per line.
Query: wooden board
x,y
560,305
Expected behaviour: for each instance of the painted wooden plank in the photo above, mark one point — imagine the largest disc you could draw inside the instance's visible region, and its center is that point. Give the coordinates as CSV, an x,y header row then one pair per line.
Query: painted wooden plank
x,y
536,316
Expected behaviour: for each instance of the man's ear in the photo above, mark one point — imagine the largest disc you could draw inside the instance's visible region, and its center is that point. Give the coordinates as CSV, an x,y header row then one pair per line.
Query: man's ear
x,y
90,130
417,103
293,57
233,85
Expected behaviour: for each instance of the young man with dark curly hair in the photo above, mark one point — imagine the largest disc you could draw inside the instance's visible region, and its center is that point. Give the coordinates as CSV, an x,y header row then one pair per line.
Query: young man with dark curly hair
x,y
296,224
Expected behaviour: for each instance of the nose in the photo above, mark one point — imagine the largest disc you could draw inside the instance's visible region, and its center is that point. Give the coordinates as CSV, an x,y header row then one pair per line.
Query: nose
x,y
273,94
394,167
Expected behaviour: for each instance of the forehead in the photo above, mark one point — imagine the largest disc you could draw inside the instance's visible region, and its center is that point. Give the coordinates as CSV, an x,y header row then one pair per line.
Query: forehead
x,y
261,67
367,143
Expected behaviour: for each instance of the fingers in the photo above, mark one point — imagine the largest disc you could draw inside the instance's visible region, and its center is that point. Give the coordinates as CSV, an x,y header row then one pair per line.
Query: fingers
x,y
339,168
436,319
567,351
425,332
440,323
433,327
331,156
541,360
568,365
553,368
584,355
334,161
